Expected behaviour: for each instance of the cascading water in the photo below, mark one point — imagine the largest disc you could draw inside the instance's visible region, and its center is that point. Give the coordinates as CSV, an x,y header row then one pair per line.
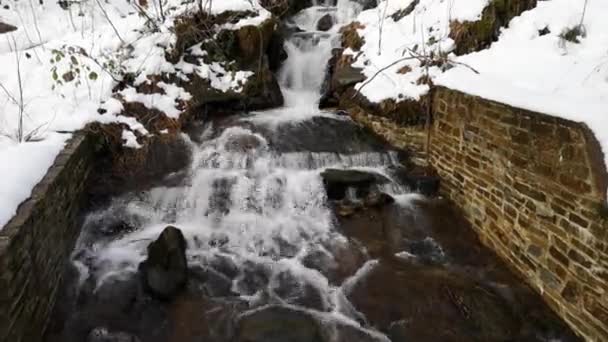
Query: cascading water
x,y
262,233
245,202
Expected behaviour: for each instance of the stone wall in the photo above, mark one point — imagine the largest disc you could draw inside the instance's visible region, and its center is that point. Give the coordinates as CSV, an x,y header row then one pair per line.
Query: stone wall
x,y
532,186
38,240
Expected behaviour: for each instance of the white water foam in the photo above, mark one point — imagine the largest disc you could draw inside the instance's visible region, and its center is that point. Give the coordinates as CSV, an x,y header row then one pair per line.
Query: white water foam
x,y
246,203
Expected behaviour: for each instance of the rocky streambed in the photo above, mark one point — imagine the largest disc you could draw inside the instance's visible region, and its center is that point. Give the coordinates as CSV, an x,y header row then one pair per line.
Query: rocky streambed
x,y
292,224
281,237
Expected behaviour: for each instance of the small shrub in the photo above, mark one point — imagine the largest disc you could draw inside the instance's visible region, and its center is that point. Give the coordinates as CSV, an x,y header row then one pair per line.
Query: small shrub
x,y
573,34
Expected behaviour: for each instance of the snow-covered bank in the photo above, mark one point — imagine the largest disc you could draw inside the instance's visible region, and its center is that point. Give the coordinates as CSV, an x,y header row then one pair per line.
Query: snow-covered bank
x,y
22,166
60,69
531,66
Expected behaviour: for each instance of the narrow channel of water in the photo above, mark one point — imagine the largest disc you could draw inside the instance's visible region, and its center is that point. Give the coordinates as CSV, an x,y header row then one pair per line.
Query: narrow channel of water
x,y
261,230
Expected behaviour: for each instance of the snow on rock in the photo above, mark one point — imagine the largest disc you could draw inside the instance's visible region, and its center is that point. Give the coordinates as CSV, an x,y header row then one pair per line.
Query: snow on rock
x,y
130,140
60,66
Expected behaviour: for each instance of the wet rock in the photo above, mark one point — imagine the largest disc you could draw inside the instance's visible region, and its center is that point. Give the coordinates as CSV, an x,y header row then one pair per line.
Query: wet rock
x,y
298,291
165,271
424,184
325,23
347,208
254,277
276,48
5,28
337,182
104,335
367,4
441,305
211,282
337,261
378,199
339,76
225,265
243,143
278,324
116,228
426,250
254,40
421,180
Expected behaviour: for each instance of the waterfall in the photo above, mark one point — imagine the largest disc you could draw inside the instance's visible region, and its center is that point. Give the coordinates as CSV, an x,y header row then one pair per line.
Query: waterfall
x,y
245,200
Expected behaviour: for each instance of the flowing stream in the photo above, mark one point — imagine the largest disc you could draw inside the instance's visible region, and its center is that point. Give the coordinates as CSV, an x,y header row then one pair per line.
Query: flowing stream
x,y
255,213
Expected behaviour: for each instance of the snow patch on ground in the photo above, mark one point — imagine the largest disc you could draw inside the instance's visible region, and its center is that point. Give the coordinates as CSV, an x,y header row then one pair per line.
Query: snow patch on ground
x,y
544,73
22,166
426,29
68,60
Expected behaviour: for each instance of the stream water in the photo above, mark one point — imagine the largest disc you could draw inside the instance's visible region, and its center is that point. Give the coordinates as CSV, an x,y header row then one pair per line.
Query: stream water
x,y
272,258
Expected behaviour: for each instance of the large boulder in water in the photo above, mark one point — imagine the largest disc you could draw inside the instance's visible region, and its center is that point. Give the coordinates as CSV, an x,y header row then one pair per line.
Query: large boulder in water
x,y
165,271
325,23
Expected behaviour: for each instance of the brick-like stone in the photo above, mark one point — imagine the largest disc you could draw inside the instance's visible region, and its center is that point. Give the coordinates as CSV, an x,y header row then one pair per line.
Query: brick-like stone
x,y
528,185
37,242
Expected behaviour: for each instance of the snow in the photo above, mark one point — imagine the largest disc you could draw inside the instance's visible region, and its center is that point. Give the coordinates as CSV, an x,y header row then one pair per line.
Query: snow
x,y
524,69
545,73
130,140
22,167
425,29
70,60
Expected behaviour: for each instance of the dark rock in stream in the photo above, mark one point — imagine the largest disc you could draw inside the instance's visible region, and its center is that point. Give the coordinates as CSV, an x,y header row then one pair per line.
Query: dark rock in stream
x,y
211,282
367,4
325,23
281,324
165,271
420,180
337,182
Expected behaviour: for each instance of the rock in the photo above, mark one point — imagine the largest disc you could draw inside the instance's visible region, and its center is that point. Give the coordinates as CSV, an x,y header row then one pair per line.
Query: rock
x,y
5,28
278,324
339,76
346,209
366,4
253,41
325,23
276,48
378,199
253,278
338,181
243,143
102,334
165,271
298,291
419,179
211,282
441,305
